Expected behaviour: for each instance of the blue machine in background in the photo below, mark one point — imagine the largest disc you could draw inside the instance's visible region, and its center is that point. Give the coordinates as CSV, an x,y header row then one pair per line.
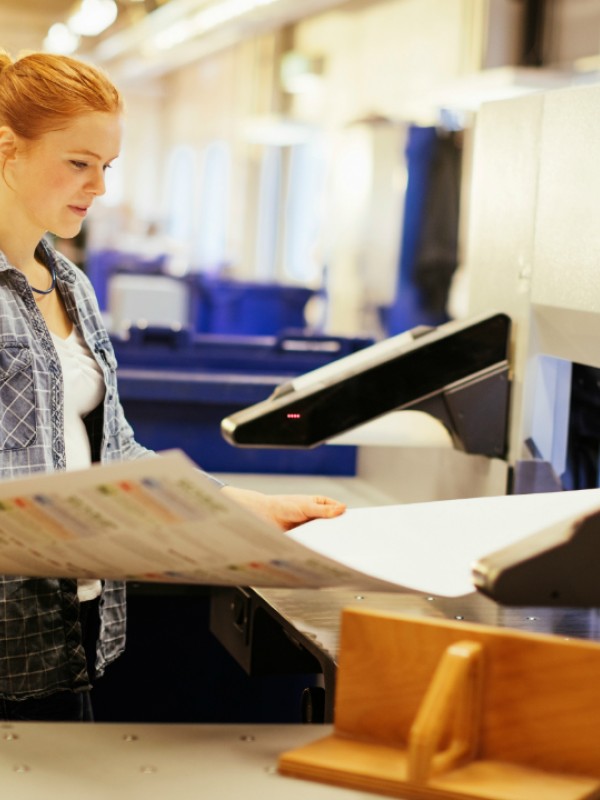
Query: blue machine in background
x,y
225,345
225,306
177,385
215,304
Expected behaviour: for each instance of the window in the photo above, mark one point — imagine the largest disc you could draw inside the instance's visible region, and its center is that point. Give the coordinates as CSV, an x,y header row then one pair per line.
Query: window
x,y
210,246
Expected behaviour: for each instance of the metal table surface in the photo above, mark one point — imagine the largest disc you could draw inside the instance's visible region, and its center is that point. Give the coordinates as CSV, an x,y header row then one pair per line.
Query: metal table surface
x,y
71,761
278,631
316,613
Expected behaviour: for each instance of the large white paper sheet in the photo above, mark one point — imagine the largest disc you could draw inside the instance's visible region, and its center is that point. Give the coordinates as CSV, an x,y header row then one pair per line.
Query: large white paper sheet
x,y
160,519
432,547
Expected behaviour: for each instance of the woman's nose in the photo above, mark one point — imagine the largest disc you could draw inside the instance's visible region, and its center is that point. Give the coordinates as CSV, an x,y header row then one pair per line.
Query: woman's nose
x,y
97,184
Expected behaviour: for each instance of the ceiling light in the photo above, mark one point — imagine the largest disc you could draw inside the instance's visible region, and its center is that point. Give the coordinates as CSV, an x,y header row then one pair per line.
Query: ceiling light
x,y
205,20
93,17
60,39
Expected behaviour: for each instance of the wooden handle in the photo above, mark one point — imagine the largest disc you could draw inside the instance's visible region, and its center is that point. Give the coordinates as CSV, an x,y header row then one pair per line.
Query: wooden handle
x,y
451,707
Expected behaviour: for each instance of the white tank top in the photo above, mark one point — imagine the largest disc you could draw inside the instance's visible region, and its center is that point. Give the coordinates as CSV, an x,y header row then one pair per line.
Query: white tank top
x,y
84,390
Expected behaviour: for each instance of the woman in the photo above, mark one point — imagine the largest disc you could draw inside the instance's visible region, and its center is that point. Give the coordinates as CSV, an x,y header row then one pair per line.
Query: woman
x,y
60,130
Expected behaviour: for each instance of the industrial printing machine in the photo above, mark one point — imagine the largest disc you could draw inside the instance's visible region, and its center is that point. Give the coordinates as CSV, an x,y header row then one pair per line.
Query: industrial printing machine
x,y
531,262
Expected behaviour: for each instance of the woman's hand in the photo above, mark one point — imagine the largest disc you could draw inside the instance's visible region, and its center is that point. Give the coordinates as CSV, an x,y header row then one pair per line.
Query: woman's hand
x,y
286,510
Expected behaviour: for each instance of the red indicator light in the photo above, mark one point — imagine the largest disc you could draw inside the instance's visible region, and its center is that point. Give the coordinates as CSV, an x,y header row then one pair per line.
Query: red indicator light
x,y
293,416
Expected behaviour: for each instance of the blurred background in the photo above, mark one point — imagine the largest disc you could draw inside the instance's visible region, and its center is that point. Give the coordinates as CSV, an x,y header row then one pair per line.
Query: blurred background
x,y
297,163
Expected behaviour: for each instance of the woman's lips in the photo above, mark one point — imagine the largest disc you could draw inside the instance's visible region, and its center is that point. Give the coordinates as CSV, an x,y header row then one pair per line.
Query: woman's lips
x,y
81,211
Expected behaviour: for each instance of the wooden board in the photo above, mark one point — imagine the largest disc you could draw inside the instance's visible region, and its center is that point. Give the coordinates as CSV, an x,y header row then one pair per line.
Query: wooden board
x,y
538,724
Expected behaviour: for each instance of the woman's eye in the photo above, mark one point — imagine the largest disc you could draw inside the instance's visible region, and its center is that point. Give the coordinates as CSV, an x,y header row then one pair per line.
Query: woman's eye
x,y
79,164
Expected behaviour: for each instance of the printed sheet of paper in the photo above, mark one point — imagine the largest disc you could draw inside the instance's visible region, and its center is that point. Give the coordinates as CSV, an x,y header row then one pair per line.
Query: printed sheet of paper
x,y
156,519
160,519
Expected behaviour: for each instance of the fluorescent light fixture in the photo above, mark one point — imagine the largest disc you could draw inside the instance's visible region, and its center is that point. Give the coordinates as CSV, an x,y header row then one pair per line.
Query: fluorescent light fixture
x,y
204,21
93,17
61,39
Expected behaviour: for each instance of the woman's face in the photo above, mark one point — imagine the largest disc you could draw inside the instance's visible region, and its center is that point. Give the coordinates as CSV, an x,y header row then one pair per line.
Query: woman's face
x,y
55,179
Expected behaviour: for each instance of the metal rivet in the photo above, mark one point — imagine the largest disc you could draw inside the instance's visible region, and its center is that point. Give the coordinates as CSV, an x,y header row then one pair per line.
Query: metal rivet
x,y
9,737
130,737
531,619
359,597
21,768
458,616
430,598
247,737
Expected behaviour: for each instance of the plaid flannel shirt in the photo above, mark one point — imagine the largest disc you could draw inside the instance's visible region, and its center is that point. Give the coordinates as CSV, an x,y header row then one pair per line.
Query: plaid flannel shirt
x,y
40,636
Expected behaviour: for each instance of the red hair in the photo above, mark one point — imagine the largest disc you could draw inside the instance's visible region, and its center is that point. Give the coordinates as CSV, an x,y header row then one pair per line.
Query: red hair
x,y
41,92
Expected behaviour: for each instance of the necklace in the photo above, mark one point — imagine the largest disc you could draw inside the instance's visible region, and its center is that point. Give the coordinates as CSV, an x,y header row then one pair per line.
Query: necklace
x,y
52,285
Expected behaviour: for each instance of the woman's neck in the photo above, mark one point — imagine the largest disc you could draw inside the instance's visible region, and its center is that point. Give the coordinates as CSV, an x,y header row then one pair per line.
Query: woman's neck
x,y
21,252
18,237
22,255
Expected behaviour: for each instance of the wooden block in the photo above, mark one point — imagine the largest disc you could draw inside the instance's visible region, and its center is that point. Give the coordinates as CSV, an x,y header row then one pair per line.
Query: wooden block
x,y
518,717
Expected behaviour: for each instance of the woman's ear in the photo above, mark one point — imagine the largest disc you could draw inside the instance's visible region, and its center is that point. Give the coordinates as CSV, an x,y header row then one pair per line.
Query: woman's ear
x,y
9,146
8,143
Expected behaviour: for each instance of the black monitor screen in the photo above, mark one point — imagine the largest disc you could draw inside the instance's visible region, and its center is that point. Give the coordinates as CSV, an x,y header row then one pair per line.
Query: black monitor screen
x,y
309,417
